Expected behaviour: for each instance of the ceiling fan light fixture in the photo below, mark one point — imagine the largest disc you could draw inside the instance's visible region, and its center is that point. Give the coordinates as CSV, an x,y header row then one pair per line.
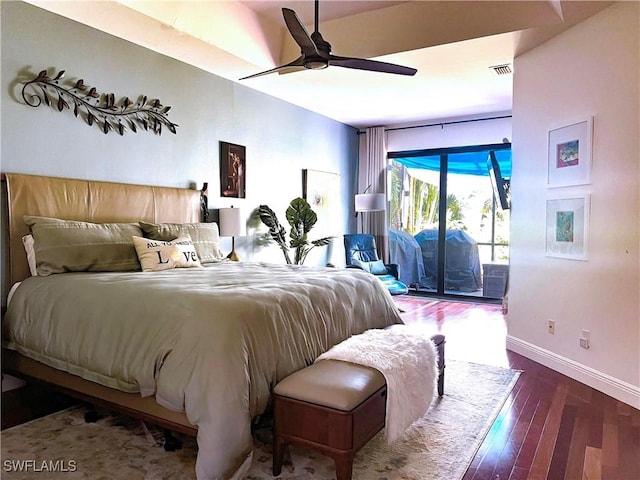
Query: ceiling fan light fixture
x,y
316,64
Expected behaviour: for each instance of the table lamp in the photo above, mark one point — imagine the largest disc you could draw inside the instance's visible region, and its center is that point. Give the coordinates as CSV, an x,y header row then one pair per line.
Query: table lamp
x,y
231,225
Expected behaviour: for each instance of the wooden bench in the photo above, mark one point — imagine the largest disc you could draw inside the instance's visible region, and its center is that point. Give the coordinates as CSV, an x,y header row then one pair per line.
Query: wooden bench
x,y
331,406
439,341
334,407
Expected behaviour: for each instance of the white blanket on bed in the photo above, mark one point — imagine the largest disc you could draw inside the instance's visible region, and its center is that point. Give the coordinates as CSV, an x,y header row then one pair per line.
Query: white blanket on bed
x,y
407,358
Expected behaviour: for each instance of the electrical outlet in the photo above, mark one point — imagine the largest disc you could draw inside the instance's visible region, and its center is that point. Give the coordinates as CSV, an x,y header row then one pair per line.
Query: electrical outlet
x,y
585,339
551,327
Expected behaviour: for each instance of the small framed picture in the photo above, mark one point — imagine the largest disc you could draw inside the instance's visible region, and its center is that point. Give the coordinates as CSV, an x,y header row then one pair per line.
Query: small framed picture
x,y
567,229
232,170
569,156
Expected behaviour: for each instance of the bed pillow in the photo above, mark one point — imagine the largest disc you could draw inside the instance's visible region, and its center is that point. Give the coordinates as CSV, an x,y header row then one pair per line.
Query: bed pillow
x,y
205,237
73,246
157,255
27,242
376,267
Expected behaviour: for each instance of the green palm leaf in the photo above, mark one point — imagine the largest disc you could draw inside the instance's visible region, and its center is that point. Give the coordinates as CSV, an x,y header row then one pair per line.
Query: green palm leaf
x,y
301,218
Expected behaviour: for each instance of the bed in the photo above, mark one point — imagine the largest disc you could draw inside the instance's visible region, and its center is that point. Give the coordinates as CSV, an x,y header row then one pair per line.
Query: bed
x,y
196,350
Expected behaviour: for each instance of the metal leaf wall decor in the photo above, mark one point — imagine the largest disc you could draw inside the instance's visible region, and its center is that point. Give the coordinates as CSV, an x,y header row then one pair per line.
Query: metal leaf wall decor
x,y
97,109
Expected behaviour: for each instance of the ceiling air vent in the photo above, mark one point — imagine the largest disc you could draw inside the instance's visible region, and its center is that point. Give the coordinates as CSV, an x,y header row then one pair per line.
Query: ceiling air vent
x,y
502,69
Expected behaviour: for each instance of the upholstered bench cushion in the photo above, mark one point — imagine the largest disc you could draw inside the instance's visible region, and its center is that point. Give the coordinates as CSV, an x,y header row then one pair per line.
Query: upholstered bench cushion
x,y
332,383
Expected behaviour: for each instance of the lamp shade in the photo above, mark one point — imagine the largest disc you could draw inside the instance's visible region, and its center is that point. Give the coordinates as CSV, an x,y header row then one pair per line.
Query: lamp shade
x,y
231,224
370,202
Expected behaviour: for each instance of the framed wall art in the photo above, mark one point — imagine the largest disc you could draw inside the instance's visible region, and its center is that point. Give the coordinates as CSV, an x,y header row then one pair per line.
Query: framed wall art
x,y
322,191
232,170
567,230
569,156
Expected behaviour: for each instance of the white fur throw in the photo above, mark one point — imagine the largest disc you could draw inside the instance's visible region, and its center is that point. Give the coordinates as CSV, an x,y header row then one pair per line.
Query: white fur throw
x,y
407,358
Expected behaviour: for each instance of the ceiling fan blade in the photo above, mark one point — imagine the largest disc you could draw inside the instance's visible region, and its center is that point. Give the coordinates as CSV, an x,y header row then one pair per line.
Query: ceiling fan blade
x,y
299,33
371,65
298,62
316,52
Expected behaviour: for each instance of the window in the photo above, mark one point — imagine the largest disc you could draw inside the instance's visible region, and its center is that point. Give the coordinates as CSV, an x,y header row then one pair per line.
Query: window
x,y
444,199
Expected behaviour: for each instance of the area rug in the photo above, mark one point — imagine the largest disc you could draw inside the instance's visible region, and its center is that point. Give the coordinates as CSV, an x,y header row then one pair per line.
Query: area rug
x,y
439,446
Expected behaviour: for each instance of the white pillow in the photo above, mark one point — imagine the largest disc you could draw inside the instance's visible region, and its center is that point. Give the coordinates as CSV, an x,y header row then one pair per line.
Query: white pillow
x,y
156,255
204,235
28,243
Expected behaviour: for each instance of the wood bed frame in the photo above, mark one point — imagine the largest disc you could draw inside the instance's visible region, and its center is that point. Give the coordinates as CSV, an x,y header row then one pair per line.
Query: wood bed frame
x,y
98,202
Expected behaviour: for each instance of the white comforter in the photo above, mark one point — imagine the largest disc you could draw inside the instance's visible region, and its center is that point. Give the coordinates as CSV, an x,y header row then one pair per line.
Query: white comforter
x,y
212,342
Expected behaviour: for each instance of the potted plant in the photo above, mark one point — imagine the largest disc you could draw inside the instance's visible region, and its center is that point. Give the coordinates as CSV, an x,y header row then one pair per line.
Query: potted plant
x,y
301,218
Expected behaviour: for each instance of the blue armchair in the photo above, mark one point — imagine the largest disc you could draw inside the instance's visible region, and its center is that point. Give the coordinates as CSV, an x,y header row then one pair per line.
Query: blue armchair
x,y
360,251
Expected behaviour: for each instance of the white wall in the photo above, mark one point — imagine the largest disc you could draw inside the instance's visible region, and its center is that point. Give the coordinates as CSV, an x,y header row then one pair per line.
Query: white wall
x,y
281,139
449,134
590,70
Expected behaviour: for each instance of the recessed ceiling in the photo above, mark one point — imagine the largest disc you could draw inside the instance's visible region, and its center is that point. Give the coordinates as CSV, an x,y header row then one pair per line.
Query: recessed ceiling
x,y
453,44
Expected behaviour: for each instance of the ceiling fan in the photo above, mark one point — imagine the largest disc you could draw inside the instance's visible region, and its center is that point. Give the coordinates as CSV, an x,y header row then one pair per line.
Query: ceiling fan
x,y
316,52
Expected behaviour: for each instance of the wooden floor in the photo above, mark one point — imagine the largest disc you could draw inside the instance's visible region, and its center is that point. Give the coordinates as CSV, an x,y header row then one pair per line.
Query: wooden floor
x,y
31,401
551,427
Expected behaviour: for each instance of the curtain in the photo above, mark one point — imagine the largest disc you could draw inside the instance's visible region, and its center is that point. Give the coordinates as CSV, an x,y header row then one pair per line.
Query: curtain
x,y
372,168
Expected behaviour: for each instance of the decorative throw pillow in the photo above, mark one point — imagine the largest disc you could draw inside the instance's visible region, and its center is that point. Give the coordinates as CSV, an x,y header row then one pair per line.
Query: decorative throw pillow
x,y
376,267
27,241
205,237
359,263
156,255
73,246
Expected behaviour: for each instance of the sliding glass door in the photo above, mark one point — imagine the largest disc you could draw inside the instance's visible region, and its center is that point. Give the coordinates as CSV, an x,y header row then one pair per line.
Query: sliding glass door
x,y
448,230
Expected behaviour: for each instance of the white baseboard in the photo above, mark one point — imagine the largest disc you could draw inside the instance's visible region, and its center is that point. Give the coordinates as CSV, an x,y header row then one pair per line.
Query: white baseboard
x,y
618,389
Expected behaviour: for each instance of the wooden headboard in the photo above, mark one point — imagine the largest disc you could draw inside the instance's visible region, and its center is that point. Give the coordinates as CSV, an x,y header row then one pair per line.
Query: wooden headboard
x,y
84,200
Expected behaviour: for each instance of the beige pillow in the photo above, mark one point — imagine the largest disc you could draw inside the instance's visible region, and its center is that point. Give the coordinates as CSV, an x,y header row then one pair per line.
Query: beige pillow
x,y
27,242
73,246
156,255
205,237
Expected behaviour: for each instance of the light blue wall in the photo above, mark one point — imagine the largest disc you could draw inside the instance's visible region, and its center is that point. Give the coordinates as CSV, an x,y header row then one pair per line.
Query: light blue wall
x,y
281,139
